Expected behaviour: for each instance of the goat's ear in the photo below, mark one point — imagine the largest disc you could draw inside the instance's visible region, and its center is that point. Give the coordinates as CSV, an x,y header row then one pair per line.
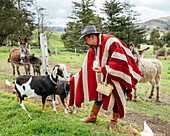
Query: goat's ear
x,y
131,46
31,56
25,39
55,72
134,132
19,40
142,52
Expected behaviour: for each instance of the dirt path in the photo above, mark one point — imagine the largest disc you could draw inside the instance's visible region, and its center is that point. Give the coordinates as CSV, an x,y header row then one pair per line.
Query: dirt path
x,y
155,124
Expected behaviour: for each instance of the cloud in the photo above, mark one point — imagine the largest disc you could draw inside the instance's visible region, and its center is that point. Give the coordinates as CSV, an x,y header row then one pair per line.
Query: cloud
x,y
153,13
59,11
162,5
59,22
56,8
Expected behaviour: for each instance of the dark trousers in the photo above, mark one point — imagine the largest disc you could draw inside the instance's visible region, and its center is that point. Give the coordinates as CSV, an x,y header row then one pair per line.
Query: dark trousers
x,y
99,103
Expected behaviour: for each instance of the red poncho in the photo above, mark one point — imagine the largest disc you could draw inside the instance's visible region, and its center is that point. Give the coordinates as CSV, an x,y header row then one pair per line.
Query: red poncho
x,y
123,71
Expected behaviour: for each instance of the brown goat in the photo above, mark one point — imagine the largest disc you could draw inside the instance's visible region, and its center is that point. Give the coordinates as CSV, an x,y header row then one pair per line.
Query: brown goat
x,y
36,63
17,57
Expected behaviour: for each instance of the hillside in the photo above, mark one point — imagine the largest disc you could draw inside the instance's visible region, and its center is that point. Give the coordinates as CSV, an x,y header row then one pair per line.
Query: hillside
x,y
162,24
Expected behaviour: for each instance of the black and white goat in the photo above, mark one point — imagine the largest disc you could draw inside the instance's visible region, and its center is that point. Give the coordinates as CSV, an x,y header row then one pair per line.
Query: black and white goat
x,y
35,86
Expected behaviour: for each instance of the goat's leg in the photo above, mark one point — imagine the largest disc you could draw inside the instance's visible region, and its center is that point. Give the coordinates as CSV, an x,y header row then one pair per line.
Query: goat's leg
x,y
13,67
157,96
17,96
135,94
25,67
43,102
65,108
38,70
152,90
18,70
57,102
33,69
28,65
74,111
54,108
157,80
23,107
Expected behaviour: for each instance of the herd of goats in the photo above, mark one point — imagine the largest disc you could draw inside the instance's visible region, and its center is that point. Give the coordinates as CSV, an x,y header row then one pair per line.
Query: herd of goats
x,y
49,84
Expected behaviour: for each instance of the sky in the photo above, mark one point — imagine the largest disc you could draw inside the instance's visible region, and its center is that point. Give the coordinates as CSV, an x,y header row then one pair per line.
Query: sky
x,y
59,10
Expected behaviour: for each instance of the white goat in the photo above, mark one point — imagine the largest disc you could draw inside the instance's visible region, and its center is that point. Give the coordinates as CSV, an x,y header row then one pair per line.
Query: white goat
x,y
151,69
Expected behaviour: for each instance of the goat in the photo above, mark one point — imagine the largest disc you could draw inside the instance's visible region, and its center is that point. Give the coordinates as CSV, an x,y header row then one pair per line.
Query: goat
x,y
36,63
17,56
35,86
150,69
147,131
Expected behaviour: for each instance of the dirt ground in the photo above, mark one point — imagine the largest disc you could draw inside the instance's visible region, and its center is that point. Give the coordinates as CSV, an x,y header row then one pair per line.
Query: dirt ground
x,y
155,124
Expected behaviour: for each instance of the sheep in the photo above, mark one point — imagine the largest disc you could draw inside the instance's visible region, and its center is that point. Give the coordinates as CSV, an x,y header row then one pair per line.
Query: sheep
x,y
36,63
35,86
151,69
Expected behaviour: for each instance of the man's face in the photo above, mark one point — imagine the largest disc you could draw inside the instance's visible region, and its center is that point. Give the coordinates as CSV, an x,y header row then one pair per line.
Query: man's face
x,y
92,40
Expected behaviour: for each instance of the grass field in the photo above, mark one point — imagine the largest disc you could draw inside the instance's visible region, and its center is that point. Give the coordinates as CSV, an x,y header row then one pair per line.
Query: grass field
x,y
15,122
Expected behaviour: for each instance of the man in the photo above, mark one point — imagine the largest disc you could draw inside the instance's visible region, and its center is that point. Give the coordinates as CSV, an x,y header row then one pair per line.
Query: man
x,y
107,54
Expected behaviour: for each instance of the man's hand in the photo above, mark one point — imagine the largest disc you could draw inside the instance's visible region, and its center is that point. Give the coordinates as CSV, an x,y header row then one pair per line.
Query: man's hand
x,y
66,79
97,69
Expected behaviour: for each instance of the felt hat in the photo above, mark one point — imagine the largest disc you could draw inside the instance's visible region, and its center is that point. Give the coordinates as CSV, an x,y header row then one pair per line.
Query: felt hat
x,y
88,30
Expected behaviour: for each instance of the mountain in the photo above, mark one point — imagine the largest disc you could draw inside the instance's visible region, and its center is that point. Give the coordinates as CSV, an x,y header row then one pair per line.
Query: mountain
x,y
162,24
56,29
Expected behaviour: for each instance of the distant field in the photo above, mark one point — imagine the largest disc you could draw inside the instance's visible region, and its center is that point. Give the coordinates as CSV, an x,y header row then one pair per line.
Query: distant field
x,y
54,41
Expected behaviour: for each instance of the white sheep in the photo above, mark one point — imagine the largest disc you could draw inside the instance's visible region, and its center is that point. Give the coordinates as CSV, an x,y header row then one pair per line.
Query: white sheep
x,y
151,69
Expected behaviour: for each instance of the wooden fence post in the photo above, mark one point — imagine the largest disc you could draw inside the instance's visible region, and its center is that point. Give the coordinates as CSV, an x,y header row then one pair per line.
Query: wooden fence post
x,y
44,52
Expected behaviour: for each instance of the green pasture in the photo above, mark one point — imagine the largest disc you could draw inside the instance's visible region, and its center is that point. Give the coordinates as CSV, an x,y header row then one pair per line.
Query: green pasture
x,y
54,41
15,122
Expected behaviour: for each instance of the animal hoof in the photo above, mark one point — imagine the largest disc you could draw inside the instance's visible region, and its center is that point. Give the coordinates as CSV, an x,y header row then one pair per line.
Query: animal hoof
x,y
55,112
157,101
127,99
150,97
66,113
134,100
74,112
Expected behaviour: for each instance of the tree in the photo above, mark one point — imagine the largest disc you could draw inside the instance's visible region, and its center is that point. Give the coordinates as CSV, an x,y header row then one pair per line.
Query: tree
x,y
15,20
121,22
82,14
166,38
155,39
40,19
9,19
134,33
113,21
